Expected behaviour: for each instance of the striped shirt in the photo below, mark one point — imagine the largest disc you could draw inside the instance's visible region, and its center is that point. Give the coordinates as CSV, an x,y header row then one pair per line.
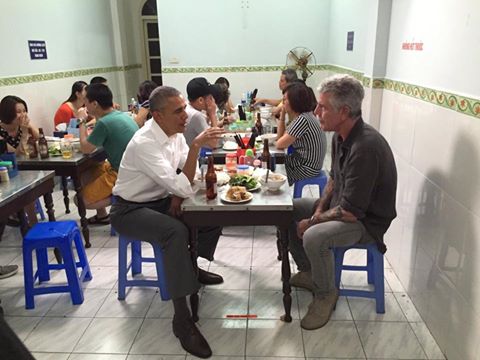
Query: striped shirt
x,y
308,150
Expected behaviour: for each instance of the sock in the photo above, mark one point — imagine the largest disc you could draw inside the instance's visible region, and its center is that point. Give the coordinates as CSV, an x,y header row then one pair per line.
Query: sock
x,y
182,312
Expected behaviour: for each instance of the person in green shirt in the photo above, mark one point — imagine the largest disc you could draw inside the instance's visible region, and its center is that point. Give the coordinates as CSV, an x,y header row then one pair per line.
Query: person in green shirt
x,y
113,131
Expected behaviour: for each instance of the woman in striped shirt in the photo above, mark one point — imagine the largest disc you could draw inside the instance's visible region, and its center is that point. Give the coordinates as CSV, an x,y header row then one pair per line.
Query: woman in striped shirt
x,y
305,139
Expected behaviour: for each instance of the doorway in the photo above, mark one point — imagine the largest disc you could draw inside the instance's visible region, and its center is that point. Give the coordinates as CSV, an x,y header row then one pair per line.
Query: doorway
x,y
151,38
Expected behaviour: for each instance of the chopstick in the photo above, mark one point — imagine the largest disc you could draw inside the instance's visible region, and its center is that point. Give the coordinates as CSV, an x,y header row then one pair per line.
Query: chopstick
x,y
239,141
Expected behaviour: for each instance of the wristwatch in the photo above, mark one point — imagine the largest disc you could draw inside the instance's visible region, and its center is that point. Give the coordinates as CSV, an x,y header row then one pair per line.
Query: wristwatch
x,y
82,121
312,219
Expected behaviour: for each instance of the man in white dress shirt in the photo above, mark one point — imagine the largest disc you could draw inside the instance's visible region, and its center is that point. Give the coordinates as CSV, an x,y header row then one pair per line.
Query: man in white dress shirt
x,y
149,192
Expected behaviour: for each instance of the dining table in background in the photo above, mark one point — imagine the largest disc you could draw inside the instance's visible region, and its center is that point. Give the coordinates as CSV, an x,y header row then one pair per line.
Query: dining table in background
x,y
73,168
265,208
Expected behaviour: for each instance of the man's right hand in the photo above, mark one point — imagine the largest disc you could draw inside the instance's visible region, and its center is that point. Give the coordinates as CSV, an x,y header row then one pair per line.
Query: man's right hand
x,y
208,137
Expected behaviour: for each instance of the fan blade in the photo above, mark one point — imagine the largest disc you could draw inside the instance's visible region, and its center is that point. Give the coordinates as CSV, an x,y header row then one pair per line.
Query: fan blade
x,y
308,56
308,69
292,54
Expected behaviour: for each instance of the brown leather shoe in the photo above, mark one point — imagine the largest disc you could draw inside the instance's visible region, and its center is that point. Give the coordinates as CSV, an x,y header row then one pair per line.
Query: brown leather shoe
x,y
209,278
302,279
191,338
319,311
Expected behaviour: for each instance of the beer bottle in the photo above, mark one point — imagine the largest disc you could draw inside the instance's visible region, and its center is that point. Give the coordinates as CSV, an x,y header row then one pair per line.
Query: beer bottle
x,y
31,146
259,125
266,157
211,180
42,145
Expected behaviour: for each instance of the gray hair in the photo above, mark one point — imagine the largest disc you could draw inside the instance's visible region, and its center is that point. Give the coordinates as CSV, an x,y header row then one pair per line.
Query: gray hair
x,y
345,90
159,97
290,75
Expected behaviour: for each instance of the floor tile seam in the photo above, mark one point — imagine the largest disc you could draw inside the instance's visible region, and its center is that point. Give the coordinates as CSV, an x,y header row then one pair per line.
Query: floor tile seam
x,y
135,337
356,329
157,293
400,306
418,340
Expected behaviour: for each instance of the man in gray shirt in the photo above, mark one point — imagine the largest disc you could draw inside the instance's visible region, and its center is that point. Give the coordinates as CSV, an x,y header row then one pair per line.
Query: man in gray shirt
x,y
200,98
358,203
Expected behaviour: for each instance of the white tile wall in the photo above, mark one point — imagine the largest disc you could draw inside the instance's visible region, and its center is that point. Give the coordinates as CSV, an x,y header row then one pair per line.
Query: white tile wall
x,y
433,243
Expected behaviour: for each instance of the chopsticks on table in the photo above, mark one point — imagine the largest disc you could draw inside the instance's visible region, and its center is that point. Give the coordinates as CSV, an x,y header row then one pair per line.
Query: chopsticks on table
x,y
239,141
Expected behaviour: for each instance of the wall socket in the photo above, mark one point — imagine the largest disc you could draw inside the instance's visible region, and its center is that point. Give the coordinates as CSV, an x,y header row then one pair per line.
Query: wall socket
x,y
174,60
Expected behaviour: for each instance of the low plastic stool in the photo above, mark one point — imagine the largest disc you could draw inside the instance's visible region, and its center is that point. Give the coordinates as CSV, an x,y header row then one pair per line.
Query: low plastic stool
x,y
320,180
374,269
136,266
61,235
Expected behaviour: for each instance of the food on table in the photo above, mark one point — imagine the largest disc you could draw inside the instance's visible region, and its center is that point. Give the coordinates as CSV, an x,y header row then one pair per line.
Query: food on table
x,y
54,150
237,193
243,180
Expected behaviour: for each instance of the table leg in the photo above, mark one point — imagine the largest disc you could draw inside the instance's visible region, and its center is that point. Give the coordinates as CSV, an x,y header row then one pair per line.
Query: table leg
x,y
194,254
287,298
66,200
51,217
81,210
22,217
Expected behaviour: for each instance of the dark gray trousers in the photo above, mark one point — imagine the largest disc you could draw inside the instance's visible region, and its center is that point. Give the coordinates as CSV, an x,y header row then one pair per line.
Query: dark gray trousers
x,y
150,222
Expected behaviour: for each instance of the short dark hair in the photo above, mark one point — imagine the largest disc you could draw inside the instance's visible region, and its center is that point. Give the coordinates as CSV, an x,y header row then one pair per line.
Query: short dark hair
x,y
290,75
8,111
76,87
222,80
145,89
159,97
98,80
101,94
221,96
300,97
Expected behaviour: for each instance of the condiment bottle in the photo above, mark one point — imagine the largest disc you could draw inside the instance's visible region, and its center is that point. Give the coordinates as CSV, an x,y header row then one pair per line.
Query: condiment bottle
x,y
258,124
4,174
249,157
42,145
266,157
31,146
211,180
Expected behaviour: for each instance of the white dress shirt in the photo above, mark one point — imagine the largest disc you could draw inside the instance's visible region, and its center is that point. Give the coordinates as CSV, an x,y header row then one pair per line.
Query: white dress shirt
x,y
148,170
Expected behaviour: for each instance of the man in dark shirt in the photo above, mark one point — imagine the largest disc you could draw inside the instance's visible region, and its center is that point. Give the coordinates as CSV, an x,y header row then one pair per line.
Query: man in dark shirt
x,y
358,203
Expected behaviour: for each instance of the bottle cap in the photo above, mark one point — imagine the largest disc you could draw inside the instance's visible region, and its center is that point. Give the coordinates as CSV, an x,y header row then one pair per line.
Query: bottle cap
x,y
249,152
3,168
242,167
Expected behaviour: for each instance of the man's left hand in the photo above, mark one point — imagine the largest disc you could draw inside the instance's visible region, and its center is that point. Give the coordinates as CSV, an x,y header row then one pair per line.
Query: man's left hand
x,y
175,207
302,226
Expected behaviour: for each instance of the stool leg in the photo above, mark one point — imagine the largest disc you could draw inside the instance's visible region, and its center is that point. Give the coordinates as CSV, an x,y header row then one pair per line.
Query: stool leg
x,y
28,279
42,265
82,257
370,267
122,267
136,257
76,292
338,254
379,283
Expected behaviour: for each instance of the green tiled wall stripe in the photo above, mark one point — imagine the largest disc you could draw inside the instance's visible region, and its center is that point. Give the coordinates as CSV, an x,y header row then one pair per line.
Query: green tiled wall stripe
x,y
461,104
8,81
220,69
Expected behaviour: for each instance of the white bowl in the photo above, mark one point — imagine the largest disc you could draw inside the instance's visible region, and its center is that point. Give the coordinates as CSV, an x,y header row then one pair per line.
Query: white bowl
x,y
275,181
271,138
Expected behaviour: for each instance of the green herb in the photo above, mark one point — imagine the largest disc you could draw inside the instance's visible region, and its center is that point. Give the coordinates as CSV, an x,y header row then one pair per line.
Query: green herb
x,y
243,180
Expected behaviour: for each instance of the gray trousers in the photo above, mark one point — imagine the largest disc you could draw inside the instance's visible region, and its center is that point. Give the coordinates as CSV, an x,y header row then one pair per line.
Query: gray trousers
x,y
150,222
314,253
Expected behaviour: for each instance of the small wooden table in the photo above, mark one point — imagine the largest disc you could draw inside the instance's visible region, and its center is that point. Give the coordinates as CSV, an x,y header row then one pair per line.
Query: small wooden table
x,y
266,208
72,167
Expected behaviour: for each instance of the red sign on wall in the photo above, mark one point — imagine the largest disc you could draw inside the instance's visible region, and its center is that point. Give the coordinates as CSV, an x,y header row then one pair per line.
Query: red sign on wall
x,y
415,46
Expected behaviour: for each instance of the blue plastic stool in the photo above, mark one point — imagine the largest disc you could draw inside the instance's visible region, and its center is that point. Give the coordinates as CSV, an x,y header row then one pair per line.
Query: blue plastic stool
x,y
61,235
374,269
136,265
320,180
39,209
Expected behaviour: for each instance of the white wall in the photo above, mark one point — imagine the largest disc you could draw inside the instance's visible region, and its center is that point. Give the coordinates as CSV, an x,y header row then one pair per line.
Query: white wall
x,y
434,242
78,35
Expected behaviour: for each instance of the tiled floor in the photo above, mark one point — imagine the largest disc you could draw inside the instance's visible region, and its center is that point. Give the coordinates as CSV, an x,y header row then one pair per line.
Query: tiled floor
x,y
140,327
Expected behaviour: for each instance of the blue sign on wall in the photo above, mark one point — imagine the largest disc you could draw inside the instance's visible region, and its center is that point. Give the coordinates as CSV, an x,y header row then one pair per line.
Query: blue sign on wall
x,y
38,49
350,41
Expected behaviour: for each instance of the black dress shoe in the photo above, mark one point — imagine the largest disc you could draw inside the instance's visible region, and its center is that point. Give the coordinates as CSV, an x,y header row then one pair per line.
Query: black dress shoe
x,y
191,338
208,278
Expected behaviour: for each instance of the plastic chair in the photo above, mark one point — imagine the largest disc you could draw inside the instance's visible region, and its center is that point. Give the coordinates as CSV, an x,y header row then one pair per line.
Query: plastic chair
x,y
320,180
61,235
374,269
39,209
136,266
